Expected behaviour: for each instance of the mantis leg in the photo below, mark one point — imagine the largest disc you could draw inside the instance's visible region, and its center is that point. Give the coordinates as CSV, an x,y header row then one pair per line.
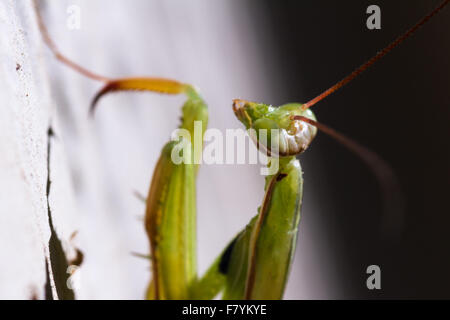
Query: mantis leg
x,y
213,281
171,203
228,269
170,225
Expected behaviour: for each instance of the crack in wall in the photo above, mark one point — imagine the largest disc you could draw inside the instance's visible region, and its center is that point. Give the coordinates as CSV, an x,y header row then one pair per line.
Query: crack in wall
x,y
58,260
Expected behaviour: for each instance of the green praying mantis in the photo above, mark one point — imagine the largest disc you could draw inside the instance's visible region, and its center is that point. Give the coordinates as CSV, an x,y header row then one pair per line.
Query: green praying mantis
x,y
256,263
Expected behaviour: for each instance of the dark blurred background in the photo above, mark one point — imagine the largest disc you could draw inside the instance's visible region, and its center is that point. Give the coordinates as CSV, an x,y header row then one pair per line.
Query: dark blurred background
x,y
398,108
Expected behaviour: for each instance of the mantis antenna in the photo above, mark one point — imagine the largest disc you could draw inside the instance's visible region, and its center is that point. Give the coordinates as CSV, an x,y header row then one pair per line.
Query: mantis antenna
x,y
390,186
48,40
392,194
375,58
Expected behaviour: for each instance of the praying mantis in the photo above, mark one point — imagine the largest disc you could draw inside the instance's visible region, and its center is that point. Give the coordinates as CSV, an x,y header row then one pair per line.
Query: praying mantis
x,y
242,270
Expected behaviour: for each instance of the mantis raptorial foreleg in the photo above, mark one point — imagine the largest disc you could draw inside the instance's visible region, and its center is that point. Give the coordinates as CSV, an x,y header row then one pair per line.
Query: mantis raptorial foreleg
x,y
170,219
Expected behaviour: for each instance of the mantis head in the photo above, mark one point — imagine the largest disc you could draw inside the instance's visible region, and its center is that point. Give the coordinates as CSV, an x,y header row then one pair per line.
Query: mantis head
x,y
275,128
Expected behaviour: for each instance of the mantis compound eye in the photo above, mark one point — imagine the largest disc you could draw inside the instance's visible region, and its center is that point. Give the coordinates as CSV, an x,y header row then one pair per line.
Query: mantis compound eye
x,y
275,129
296,138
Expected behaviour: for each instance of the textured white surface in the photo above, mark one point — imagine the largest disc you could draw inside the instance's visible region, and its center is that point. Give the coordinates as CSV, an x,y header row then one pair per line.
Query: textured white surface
x,y
97,163
24,117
